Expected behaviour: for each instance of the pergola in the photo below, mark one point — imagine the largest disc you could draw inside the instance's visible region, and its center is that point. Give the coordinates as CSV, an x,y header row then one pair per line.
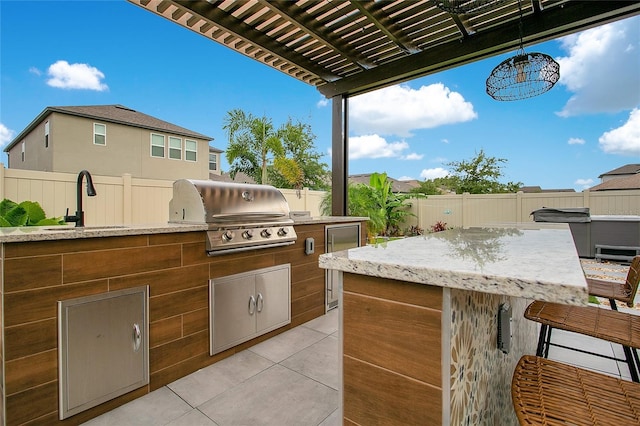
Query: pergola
x,y
348,47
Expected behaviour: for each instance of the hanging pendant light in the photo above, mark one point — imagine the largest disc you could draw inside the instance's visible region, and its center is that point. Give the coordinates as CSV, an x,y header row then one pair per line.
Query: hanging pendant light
x,y
460,7
524,75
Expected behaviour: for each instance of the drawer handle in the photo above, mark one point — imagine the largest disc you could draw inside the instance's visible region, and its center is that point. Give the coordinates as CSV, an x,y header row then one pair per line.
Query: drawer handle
x,y
252,305
137,337
260,302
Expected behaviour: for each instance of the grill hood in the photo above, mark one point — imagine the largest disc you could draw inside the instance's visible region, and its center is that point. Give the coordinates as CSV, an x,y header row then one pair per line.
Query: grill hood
x,y
240,217
223,203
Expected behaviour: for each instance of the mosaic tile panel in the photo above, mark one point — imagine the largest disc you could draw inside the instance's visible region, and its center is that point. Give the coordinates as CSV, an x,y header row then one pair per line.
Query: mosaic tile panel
x,y
480,392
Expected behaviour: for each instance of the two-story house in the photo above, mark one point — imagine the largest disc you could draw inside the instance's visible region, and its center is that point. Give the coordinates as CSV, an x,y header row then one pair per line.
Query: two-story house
x,y
112,140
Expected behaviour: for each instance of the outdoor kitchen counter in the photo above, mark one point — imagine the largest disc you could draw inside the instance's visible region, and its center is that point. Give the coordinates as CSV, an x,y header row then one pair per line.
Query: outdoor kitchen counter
x,y
43,266
420,320
536,261
69,232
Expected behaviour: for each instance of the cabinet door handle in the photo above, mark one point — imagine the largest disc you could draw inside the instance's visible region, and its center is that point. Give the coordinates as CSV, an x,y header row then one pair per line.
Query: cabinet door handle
x,y
260,302
252,305
137,337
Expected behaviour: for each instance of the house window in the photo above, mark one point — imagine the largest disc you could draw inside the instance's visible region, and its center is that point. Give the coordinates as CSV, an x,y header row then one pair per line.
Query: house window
x,y
99,134
46,134
213,161
23,148
190,150
175,148
157,145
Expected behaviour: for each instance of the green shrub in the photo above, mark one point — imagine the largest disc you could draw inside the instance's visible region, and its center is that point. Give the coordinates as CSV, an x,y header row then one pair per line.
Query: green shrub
x,y
27,213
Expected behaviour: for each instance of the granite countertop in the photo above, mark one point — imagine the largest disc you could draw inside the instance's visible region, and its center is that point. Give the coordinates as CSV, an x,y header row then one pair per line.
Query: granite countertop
x,y
535,261
69,232
308,220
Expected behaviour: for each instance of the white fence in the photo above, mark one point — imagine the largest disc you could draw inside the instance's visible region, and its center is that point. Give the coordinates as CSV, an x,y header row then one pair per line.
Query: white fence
x,y
119,200
478,209
127,200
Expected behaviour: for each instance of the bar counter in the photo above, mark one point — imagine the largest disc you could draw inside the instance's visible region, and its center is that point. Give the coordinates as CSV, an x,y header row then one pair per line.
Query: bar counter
x,y
419,320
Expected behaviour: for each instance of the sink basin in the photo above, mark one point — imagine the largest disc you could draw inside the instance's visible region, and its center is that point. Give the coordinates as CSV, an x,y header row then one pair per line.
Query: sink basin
x,y
85,228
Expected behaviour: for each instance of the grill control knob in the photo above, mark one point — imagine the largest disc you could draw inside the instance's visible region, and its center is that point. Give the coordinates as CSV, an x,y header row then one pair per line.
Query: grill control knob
x,y
248,234
266,233
283,231
227,235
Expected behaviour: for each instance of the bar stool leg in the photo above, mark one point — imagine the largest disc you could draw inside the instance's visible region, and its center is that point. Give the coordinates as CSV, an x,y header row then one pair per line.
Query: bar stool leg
x,y
630,362
548,342
543,332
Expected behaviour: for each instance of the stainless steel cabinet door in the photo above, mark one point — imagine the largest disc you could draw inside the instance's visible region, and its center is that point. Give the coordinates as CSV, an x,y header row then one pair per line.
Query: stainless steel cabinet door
x,y
246,305
103,348
234,309
273,302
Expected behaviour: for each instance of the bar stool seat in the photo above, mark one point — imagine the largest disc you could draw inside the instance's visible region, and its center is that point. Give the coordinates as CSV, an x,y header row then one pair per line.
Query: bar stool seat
x,y
616,291
546,392
614,326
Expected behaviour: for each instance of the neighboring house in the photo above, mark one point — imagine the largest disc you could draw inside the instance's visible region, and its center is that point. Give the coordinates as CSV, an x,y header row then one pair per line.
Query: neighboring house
x,y
621,172
622,183
625,177
215,155
111,140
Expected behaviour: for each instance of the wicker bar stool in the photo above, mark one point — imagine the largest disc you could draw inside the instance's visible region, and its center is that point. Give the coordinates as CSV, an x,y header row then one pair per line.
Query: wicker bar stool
x,y
614,326
546,392
622,292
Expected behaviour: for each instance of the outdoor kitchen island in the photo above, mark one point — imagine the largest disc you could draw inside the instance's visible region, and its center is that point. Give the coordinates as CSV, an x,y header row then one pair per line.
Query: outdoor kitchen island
x,y
42,266
419,320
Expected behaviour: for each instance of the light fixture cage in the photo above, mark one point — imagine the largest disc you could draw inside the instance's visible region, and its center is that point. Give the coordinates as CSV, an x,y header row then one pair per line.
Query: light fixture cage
x,y
523,76
461,7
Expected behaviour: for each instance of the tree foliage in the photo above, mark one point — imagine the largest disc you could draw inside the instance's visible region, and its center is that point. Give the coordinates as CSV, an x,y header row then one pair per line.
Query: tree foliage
x,y
284,157
253,143
303,166
385,209
480,175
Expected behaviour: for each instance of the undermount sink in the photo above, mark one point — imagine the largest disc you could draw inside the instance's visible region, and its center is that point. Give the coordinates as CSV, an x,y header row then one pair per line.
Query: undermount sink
x,y
86,228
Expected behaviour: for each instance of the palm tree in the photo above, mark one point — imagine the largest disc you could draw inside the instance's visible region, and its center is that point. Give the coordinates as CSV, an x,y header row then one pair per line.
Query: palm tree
x,y
253,143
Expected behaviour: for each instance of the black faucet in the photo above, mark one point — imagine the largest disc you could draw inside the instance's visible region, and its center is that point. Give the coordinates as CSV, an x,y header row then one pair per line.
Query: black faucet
x,y
91,192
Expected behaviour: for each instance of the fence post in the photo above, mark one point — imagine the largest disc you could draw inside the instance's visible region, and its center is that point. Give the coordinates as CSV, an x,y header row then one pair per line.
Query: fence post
x,y
586,198
126,199
2,169
465,203
519,207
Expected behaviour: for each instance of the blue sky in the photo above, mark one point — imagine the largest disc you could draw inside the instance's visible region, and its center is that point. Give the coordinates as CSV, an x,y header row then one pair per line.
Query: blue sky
x,y
64,53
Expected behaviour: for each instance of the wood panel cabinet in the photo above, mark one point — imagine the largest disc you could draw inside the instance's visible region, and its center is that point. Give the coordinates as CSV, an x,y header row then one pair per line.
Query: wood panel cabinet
x,y
247,305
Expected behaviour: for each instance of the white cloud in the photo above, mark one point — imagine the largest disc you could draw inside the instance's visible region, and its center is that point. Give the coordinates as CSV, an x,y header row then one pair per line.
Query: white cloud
x,y
397,110
437,172
36,71
323,102
576,141
405,178
75,76
584,183
413,156
445,140
602,68
625,140
374,146
6,135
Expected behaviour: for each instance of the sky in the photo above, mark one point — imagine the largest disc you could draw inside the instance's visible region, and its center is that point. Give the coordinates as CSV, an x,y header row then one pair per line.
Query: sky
x,y
78,52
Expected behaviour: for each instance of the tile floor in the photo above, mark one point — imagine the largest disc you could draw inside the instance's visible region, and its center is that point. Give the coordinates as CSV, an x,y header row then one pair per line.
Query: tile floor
x,y
292,379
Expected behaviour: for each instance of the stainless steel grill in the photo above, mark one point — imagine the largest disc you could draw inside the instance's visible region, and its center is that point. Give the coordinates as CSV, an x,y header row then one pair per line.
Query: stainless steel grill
x,y
239,216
